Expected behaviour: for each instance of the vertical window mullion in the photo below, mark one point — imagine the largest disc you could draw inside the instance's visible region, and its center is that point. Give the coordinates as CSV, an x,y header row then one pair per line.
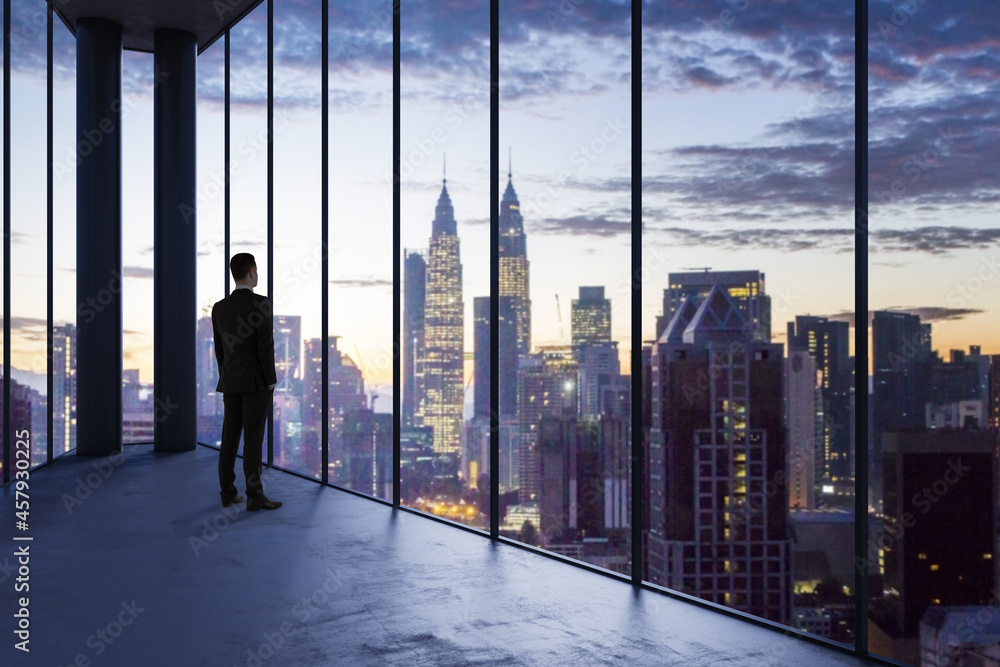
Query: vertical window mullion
x,y
48,231
225,268
396,243
638,464
861,306
494,269
270,197
6,242
325,259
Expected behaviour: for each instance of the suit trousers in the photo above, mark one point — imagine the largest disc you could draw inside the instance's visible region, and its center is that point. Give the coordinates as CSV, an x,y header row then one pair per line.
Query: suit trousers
x,y
246,412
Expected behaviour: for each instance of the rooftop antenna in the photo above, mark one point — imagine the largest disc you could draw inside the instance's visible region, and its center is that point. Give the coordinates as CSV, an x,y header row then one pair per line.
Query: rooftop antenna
x,y
444,168
508,163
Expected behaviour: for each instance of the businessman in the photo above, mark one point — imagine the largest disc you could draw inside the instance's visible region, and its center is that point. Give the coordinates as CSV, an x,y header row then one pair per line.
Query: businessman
x,y
244,348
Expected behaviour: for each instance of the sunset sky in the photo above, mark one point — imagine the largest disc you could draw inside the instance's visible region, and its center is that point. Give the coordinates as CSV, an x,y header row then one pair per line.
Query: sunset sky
x,y
747,160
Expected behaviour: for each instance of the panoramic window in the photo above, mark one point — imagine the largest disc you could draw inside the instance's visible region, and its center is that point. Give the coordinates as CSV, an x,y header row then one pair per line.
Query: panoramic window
x,y
933,188
748,286
445,216
565,293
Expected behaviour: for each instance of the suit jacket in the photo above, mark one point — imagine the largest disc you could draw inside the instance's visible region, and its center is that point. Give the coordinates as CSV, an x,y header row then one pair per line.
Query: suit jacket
x,y
244,342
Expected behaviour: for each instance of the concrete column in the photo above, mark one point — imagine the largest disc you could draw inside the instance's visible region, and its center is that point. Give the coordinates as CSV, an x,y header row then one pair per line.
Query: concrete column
x,y
175,427
98,237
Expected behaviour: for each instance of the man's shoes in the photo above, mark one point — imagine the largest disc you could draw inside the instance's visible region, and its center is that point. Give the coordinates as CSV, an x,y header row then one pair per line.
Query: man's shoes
x,y
235,500
262,502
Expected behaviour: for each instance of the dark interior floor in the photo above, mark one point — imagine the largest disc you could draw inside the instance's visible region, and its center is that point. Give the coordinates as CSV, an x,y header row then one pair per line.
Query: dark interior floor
x,y
147,569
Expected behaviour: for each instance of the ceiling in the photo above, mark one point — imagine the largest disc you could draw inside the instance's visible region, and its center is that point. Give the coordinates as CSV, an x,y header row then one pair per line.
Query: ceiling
x,y
206,19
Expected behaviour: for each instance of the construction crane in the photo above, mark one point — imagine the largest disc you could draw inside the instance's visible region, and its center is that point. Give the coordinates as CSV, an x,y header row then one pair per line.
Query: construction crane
x,y
562,331
706,269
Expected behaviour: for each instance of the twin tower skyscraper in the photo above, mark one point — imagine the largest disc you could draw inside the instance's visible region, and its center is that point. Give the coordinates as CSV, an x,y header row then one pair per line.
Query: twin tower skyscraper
x,y
434,323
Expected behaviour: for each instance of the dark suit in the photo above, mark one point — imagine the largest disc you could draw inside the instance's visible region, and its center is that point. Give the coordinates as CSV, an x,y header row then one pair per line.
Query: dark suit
x,y
244,348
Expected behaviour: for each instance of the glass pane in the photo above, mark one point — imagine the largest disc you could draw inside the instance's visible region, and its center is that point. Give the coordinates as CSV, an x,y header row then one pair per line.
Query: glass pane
x,y
137,247
213,265
446,238
565,224
297,250
28,192
932,446
360,355
248,147
64,240
748,167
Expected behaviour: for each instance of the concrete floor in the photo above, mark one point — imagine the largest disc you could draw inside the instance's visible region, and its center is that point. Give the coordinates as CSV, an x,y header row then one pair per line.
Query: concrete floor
x,y
143,567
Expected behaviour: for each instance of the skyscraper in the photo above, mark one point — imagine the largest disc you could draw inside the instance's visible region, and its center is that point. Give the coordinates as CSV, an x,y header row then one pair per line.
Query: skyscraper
x,y
444,391
514,266
287,351
514,327
940,518
64,388
746,288
591,317
481,355
901,352
901,369
718,502
827,342
346,395
547,387
414,291
803,407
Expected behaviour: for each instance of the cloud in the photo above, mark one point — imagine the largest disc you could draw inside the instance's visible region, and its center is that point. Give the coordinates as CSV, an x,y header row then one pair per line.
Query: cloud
x,y
934,240
137,272
24,325
926,314
784,239
581,225
352,283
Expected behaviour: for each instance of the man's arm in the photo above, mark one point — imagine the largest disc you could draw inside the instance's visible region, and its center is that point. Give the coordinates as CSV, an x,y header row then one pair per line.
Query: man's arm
x,y
265,344
217,336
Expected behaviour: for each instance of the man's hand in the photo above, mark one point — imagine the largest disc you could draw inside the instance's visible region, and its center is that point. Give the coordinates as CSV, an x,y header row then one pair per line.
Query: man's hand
x,y
272,387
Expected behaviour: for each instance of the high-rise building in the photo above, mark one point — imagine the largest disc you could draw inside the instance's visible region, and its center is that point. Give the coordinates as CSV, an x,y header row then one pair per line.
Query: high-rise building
x,y
287,352
959,395
599,368
346,396
510,455
506,334
414,291
994,391
745,287
514,327
64,388
514,267
547,386
367,453
210,404
803,419
481,357
24,402
827,343
591,318
718,501
901,355
584,481
901,370
940,520
444,390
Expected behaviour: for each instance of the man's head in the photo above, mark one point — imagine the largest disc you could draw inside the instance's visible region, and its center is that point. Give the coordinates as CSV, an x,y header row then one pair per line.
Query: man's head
x,y
244,269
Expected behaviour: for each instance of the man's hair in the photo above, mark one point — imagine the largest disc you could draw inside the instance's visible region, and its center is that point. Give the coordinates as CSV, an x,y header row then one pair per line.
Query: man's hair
x,y
240,265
